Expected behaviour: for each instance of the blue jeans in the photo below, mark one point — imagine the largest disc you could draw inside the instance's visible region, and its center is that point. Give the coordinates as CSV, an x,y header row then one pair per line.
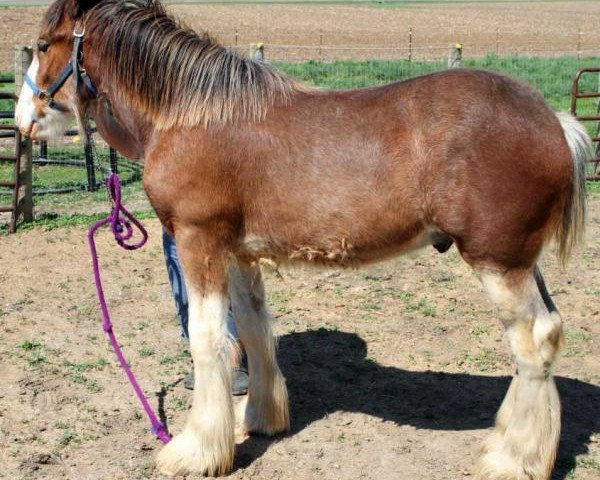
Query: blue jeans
x,y
180,292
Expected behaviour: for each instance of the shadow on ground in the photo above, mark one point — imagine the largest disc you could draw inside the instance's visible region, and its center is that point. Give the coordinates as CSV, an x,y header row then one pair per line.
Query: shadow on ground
x,y
328,371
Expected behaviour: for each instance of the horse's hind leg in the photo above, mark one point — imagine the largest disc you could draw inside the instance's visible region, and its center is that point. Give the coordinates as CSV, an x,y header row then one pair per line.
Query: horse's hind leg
x,y
524,442
266,410
206,444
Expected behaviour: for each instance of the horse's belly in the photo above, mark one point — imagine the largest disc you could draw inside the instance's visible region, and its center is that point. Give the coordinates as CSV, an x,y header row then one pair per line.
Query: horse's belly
x,y
341,251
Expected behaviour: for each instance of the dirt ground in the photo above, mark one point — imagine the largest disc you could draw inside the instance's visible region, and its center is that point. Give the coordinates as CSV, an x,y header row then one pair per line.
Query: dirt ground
x,y
395,371
359,31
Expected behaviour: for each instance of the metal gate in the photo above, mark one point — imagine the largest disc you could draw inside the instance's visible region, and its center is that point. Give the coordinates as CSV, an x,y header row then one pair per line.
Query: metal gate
x,y
576,94
11,131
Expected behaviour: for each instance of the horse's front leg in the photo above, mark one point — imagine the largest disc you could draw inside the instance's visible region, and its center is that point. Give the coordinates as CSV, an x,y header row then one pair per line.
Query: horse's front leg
x,y
206,444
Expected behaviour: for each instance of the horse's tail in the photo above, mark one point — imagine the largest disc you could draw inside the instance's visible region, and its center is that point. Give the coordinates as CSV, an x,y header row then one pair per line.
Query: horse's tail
x,y
571,227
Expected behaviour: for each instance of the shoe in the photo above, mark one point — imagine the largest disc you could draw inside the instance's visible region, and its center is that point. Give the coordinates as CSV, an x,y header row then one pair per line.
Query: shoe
x,y
239,381
188,381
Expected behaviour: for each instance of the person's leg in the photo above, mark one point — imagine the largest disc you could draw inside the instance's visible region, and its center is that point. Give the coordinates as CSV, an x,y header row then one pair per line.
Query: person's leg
x,y
177,283
239,370
178,288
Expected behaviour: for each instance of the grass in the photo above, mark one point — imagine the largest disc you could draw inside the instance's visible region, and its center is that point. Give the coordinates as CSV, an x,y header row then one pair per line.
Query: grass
x,y
552,76
51,176
576,343
423,306
33,353
39,356
146,351
7,105
484,360
593,188
480,330
29,345
584,463
77,373
173,359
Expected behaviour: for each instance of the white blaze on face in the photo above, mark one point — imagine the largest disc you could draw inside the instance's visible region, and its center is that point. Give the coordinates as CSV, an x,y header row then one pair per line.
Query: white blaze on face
x,y
48,124
24,113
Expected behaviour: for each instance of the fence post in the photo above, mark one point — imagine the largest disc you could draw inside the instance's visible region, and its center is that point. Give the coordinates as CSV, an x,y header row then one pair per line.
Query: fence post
x,y
497,42
320,46
597,150
257,51
23,58
44,149
455,56
410,42
89,165
114,164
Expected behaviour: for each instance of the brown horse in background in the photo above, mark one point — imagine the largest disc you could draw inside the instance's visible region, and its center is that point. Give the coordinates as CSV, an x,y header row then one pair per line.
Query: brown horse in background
x,y
242,163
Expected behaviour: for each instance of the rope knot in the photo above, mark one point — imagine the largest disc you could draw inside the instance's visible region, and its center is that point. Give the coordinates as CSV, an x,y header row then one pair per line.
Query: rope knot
x,y
120,219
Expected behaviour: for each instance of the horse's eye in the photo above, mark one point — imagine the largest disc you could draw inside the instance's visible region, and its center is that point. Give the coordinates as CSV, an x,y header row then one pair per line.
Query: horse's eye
x,y
42,45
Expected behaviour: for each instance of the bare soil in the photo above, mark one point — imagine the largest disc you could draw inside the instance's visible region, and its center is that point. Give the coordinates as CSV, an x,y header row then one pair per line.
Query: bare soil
x,y
395,371
369,31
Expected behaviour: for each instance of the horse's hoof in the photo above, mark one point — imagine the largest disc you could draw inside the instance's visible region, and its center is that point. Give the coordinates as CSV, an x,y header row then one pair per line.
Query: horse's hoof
x,y
185,454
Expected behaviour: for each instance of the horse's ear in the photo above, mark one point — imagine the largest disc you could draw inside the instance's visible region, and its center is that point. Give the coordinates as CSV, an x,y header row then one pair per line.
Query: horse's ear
x,y
77,8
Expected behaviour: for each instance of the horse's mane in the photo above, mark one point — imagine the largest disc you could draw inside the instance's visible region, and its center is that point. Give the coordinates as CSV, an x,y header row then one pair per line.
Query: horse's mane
x,y
172,74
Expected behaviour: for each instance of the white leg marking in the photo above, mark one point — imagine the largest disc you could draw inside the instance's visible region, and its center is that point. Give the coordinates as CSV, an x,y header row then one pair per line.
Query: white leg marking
x,y
206,444
267,409
524,442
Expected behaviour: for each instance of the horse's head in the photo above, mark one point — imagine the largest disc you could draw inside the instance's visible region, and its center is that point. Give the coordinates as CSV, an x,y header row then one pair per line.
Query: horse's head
x,y
56,85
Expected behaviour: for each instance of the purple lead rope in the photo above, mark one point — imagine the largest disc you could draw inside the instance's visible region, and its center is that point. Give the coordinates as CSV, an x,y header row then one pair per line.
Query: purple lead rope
x,y
121,221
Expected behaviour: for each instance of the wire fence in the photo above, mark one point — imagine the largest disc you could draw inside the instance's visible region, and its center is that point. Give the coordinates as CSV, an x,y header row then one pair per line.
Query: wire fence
x,y
325,53
66,164
413,44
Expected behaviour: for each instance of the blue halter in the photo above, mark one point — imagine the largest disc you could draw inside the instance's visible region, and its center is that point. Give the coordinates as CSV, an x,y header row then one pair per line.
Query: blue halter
x,y
72,68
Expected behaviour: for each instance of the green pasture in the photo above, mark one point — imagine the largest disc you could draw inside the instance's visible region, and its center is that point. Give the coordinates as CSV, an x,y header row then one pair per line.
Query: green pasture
x,y
551,76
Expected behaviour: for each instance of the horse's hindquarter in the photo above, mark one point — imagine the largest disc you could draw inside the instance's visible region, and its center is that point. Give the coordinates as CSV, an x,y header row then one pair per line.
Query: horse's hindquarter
x,y
503,171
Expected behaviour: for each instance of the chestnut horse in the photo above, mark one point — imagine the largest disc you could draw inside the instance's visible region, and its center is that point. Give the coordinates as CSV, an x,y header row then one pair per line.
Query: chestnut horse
x,y
242,163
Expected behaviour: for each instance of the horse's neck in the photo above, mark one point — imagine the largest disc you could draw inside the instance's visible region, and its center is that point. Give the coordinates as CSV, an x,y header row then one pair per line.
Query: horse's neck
x,y
122,129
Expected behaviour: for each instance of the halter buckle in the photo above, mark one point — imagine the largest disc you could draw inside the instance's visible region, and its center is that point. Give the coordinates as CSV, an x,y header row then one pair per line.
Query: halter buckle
x,y
81,31
45,97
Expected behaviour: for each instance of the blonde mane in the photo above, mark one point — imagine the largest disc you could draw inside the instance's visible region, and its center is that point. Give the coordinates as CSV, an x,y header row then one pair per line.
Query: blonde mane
x,y
175,76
